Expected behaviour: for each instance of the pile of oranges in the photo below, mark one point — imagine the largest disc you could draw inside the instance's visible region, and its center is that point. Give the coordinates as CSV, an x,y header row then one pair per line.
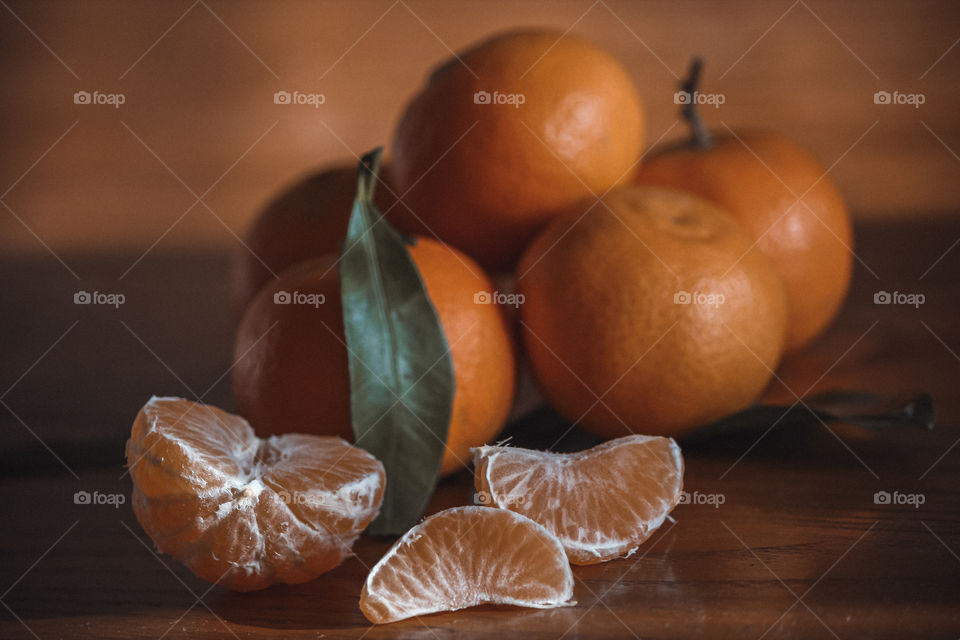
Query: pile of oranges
x,y
650,294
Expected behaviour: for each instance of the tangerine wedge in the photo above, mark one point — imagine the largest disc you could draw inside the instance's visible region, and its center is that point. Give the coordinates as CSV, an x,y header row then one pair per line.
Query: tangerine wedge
x,y
246,512
468,556
601,503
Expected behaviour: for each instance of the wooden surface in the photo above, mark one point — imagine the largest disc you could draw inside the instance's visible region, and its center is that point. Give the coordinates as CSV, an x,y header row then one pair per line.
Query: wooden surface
x,y
199,119
798,549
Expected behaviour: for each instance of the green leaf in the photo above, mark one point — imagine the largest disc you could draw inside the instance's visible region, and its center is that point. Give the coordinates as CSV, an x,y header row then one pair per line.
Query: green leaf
x,y
401,370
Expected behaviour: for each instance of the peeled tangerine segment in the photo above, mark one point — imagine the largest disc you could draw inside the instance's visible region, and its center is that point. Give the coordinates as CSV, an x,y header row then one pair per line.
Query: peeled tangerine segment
x,y
468,556
242,511
601,503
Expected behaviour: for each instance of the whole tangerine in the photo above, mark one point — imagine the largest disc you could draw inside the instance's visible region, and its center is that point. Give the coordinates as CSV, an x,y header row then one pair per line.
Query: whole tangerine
x,y
291,361
650,312
788,203
508,133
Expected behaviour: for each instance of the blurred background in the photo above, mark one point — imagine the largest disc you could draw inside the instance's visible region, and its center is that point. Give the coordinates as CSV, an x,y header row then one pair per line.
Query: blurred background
x,y
198,144
140,139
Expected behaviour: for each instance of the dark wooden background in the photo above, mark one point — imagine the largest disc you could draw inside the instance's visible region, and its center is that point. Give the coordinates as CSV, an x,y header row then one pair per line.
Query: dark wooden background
x,y
199,78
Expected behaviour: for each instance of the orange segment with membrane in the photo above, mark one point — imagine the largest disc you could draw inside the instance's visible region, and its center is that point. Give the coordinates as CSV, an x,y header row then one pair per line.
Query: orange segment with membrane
x,y
242,511
601,503
464,557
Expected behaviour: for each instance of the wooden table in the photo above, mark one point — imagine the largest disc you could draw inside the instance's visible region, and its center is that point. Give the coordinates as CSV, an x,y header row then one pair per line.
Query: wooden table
x,y
798,547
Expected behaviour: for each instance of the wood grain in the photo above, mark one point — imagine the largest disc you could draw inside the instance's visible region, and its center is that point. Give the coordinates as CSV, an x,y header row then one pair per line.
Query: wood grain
x,y
797,549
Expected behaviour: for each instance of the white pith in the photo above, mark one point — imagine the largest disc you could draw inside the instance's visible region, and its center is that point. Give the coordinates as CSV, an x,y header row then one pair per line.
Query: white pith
x,y
543,467
455,577
285,550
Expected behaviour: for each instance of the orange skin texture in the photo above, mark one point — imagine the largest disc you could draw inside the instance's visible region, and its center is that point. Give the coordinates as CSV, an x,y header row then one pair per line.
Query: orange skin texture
x,y
810,241
579,130
306,220
600,306
295,377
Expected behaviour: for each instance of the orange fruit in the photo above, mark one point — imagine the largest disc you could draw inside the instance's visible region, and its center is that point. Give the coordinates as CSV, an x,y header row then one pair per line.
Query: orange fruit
x,y
291,369
788,203
601,503
244,512
464,557
651,313
307,220
508,133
